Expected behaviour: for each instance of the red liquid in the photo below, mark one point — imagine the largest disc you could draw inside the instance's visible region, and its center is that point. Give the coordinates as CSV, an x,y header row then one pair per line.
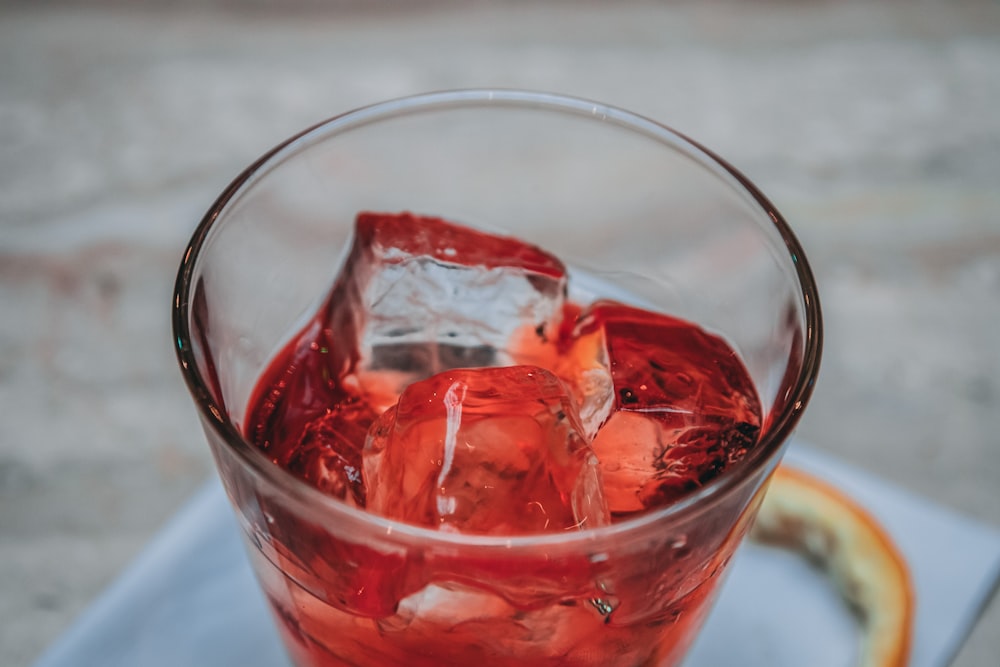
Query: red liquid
x,y
635,410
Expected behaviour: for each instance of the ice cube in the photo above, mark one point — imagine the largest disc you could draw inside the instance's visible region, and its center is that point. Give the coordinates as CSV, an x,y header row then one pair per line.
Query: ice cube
x,y
672,405
486,451
328,454
419,295
296,388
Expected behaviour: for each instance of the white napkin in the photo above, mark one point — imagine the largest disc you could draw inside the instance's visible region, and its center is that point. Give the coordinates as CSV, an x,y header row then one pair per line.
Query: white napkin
x,y
191,599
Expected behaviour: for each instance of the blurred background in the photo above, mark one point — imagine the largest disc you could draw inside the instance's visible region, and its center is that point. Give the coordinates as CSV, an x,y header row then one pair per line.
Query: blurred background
x,y
872,126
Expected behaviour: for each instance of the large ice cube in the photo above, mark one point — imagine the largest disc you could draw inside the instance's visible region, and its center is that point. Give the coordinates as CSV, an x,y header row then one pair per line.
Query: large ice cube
x,y
672,405
418,296
486,451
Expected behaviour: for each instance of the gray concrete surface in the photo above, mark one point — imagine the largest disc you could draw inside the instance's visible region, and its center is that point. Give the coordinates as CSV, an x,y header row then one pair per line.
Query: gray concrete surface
x,y
874,127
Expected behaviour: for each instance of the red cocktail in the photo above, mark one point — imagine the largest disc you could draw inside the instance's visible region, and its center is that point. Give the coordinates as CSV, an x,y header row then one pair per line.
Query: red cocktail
x,y
466,450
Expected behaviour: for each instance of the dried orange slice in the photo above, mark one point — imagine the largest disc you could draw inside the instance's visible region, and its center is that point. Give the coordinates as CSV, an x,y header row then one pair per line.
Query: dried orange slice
x,y
810,516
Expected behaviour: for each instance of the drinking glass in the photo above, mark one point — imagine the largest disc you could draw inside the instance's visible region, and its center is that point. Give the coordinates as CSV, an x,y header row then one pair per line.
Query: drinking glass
x,y
638,212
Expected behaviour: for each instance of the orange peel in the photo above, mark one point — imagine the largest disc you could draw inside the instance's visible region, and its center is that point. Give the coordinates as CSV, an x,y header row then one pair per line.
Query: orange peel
x,y
809,515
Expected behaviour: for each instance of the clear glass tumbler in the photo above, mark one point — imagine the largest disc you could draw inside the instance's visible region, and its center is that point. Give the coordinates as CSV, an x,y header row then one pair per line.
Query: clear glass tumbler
x,y
633,208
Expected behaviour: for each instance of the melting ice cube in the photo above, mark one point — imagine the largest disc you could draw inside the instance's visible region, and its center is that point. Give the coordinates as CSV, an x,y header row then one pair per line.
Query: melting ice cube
x,y
487,451
671,405
418,296
328,454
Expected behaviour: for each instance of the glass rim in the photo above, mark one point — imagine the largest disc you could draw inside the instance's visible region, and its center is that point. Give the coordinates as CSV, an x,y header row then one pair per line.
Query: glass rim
x,y
768,447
